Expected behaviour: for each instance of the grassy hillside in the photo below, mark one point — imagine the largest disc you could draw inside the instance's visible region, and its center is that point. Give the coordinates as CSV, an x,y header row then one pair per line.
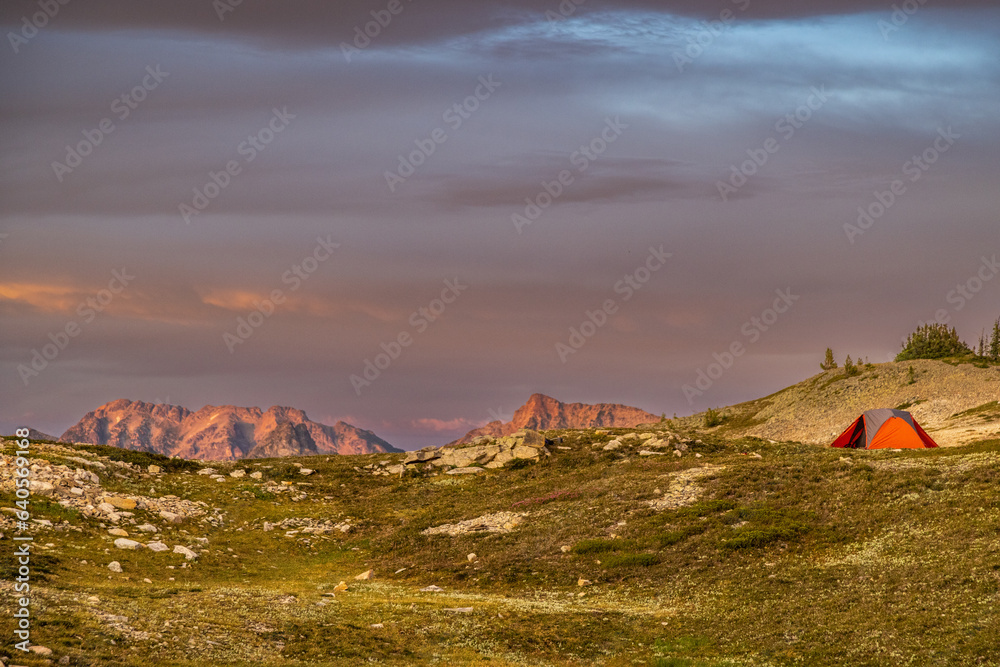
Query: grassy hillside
x,y
737,552
949,400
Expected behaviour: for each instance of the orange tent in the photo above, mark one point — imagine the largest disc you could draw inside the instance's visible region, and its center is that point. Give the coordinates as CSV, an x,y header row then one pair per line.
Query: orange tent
x,y
885,429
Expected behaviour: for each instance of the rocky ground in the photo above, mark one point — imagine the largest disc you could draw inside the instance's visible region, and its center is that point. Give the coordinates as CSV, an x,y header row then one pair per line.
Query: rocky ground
x,y
661,545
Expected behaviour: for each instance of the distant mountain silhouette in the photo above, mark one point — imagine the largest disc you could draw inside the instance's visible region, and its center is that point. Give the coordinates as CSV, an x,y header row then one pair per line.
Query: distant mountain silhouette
x,y
543,412
219,433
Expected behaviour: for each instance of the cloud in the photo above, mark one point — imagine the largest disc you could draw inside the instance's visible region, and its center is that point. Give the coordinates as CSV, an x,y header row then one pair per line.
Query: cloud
x,y
316,23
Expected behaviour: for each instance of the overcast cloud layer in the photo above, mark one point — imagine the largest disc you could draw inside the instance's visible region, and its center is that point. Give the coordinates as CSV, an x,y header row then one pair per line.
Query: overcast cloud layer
x,y
642,108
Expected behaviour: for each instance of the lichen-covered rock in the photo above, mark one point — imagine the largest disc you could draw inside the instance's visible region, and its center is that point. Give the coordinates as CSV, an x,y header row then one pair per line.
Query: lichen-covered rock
x,y
499,522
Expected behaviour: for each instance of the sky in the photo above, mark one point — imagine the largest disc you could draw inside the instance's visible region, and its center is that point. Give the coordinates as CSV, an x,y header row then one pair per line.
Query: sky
x,y
412,214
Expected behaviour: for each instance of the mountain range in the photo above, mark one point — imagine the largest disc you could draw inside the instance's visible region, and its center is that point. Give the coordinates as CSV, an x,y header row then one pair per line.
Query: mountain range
x,y
543,412
228,432
221,433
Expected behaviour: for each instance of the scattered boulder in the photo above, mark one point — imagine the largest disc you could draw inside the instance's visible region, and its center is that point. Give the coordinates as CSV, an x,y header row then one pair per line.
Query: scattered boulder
x,y
238,473
471,557
131,545
147,528
40,650
120,503
171,517
257,474
431,589
306,471
420,456
483,452
613,445
364,576
115,566
41,488
118,532
154,470
207,471
583,582
184,551
340,588
157,546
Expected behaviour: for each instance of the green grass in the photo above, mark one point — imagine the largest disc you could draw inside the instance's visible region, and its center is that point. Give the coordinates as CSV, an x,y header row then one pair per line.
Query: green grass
x,y
630,560
989,410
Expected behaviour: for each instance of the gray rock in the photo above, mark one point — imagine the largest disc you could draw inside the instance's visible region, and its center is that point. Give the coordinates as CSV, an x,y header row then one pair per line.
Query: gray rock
x,y
157,546
187,553
115,566
125,543
420,457
464,471
41,488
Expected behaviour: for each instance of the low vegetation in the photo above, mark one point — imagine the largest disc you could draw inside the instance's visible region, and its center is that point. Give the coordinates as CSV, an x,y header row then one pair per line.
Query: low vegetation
x,y
783,548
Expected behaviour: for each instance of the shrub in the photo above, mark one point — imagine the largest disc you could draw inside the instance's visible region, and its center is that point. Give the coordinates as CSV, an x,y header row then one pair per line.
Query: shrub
x,y
767,526
849,368
630,560
517,464
677,536
601,546
933,341
706,507
759,537
713,418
